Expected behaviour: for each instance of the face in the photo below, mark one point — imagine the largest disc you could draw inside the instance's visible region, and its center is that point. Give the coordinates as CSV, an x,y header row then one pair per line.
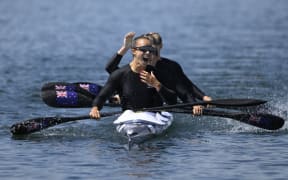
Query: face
x,y
156,39
154,57
143,52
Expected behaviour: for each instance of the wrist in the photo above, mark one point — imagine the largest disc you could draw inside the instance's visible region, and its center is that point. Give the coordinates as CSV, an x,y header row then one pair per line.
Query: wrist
x,y
95,108
122,50
157,86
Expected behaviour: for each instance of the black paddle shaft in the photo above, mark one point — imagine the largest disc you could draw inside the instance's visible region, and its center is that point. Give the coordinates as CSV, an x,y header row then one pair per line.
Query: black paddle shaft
x,y
218,103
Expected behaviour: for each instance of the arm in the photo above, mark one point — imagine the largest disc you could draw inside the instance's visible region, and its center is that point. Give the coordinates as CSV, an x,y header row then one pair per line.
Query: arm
x,y
189,92
104,94
113,63
167,95
193,90
107,90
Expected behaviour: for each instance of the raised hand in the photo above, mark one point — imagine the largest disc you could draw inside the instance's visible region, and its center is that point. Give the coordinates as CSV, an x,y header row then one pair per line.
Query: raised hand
x,y
127,43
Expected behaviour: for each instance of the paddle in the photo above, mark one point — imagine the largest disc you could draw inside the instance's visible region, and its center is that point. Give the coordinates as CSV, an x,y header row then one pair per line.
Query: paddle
x,y
71,95
62,94
37,124
265,121
73,99
221,103
86,88
81,94
66,99
261,120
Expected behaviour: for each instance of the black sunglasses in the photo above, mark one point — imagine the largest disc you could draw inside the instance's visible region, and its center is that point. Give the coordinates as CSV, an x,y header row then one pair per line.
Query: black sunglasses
x,y
144,49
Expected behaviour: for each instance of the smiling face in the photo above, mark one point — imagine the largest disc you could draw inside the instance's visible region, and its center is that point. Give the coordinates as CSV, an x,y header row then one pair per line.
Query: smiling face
x,y
142,53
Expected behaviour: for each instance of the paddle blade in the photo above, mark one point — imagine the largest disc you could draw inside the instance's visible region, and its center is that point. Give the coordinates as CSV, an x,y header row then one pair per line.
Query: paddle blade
x,y
69,95
37,124
261,120
86,88
66,99
33,125
265,121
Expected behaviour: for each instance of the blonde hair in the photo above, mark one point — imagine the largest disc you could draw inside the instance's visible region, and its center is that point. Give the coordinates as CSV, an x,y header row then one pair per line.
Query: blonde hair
x,y
157,39
142,37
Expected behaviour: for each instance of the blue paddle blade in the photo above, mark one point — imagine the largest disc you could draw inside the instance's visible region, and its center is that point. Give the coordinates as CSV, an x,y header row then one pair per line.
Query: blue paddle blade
x,y
87,88
69,95
66,99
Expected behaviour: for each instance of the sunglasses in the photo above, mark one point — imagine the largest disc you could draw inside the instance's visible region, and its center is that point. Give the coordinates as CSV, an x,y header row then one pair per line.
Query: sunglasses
x,y
145,49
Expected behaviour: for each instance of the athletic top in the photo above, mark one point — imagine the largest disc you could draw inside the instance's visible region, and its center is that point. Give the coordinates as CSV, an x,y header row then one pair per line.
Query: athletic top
x,y
134,94
171,75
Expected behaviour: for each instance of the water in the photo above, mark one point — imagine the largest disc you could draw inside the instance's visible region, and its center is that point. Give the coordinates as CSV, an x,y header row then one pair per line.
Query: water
x,y
230,49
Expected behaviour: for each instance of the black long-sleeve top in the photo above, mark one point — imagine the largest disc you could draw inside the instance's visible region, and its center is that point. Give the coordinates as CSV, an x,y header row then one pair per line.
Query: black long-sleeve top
x,y
171,75
134,94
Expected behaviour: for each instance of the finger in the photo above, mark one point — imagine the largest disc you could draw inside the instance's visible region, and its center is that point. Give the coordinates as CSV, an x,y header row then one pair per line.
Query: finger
x,y
194,111
143,78
92,116
200,108
131,34
197,112
200,111
98,117
143,74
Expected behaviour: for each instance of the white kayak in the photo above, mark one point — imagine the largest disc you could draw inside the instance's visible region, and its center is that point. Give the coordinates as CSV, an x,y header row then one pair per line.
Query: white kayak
x,y
140,126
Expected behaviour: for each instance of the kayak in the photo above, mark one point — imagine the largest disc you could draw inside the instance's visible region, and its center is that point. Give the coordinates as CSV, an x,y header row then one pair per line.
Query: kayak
x,y
138,127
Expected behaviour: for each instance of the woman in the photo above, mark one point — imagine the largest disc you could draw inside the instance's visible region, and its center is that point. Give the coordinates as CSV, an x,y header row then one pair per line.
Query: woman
x,y
137,87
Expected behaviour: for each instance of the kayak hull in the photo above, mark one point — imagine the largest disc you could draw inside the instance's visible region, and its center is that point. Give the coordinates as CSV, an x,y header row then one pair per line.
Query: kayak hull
x,y
138,127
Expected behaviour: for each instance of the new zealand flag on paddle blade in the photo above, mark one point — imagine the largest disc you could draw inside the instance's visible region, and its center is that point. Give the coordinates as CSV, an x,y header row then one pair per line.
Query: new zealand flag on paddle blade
x,y
64,87
92,88
66,98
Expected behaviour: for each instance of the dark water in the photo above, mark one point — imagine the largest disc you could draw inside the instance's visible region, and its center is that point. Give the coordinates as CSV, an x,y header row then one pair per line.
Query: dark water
x,y
229,48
